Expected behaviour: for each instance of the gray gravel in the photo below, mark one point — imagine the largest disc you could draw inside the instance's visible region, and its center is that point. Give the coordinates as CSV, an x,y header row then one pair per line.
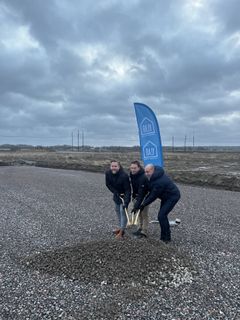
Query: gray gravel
x,y
59,259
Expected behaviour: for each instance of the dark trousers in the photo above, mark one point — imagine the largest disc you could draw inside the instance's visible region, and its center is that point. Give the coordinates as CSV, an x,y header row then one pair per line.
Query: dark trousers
x,y
166,206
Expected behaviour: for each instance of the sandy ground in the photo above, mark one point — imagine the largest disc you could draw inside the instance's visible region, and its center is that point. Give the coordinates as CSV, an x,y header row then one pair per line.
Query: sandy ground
x,y
59,259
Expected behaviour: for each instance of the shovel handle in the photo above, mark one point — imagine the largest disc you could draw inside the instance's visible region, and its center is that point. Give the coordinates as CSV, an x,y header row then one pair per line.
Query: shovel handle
x,y
135,220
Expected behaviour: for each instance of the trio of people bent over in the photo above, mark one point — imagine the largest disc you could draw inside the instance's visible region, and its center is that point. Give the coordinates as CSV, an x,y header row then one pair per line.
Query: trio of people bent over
x,y
143,186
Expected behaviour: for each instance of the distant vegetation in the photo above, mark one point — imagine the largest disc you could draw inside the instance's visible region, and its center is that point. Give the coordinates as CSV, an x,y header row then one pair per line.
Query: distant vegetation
x,y
215,167
23,147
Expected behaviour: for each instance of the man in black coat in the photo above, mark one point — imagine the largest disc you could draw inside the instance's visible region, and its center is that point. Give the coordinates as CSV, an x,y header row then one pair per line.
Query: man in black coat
x,y
160,186
139,183
117,181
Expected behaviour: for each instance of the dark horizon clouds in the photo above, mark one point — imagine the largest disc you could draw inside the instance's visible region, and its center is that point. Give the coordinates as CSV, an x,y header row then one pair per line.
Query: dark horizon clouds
x,y
74,64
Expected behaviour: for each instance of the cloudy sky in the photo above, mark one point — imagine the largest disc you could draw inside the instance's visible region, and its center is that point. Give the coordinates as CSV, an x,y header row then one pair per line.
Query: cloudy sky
x,y
75,64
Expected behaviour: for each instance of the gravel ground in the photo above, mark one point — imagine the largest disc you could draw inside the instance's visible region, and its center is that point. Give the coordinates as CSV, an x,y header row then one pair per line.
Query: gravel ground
x,y
59,259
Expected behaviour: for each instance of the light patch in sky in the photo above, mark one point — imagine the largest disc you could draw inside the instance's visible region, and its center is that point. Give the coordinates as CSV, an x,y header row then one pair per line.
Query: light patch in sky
x,y
226,119
235,94
198,16
231,46
167,117
194,5
120,69
234,41
193,8
19,39
89,52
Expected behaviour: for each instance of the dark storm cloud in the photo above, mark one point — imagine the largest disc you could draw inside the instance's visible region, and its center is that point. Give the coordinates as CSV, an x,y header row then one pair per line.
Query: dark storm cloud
x,y
81,64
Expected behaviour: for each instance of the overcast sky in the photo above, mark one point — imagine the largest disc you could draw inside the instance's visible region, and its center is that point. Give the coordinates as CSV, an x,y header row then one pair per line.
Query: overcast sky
x,y
75,64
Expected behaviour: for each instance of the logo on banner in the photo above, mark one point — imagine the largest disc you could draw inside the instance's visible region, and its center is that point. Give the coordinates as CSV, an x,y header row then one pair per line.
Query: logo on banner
x,y
150,150
147,127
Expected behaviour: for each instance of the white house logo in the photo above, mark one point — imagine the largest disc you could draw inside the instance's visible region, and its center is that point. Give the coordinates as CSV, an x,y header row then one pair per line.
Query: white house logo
x,y
147,127
150,150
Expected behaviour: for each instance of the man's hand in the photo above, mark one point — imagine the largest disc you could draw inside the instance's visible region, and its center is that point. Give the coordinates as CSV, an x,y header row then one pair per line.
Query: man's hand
x,y
134,210
141,207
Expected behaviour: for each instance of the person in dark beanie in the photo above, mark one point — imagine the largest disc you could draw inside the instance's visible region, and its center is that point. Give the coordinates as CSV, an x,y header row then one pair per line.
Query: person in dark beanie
x,y
117,181
161,187
139,183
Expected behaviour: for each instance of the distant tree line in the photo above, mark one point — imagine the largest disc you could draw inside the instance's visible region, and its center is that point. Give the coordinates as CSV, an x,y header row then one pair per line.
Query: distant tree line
x,y
68,148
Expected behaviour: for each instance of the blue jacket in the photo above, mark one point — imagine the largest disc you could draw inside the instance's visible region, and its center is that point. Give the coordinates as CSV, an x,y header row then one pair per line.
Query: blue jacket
x,y
160,186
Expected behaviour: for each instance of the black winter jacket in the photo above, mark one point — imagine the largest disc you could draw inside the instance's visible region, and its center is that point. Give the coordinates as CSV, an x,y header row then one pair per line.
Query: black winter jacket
x,y
119,184
137,181
161,186
139,184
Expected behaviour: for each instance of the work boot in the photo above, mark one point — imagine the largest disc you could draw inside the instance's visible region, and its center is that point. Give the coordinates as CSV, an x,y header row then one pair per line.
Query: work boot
x,y
116,231
120,234
165,239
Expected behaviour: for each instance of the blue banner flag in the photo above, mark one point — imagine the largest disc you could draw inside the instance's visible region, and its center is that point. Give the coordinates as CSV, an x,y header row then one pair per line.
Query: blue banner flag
x,y
149,135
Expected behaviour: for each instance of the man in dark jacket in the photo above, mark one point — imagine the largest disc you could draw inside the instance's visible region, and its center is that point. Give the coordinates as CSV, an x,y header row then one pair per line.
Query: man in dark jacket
x,y
161,187
117,181
139,183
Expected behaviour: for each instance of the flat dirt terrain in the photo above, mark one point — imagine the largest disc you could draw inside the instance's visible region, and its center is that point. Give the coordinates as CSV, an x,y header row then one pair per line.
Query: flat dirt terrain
x,y
59,259
218,170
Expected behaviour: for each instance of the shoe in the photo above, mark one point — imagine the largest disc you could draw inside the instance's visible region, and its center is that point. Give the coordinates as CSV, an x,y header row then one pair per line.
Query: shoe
x,y
116,231
141,235
165,240
120,234
138,232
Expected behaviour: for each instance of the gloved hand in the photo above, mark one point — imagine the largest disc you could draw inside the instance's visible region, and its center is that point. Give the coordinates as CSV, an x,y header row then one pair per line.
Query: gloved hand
x,y
134,210
125,206
141,207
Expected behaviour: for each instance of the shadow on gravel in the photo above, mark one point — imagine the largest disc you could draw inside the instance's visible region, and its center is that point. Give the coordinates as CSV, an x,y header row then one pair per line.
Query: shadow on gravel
x,y
116,262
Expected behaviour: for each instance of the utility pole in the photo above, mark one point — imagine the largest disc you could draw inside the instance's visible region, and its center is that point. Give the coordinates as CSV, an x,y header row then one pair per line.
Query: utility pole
x,y
82,140
185,143
172,143
78,140
72,140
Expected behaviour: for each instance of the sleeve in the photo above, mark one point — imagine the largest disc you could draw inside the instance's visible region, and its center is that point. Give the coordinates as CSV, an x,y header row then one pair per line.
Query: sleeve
x,y
153,195
108,184
127,191
142,192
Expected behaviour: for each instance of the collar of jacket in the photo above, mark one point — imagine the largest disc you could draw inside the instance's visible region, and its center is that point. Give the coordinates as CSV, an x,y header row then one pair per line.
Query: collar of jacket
x,y
158,173
117,173
138,174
